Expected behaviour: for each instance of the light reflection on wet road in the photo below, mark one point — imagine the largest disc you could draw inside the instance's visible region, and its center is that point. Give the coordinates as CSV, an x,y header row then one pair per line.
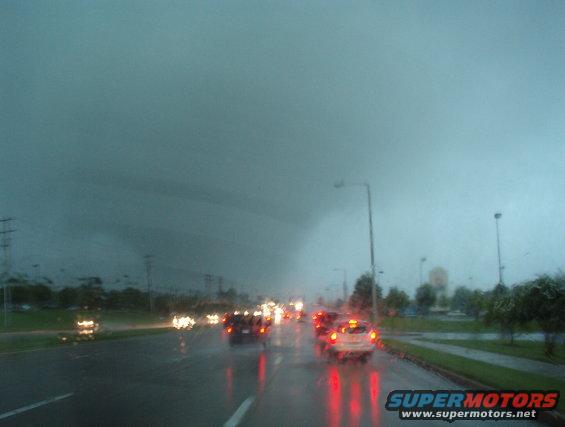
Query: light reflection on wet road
x,y
194,378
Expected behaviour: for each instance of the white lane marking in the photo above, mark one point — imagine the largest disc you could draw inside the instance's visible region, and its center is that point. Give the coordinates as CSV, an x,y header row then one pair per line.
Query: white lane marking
x,y
278,359
34,405
238,415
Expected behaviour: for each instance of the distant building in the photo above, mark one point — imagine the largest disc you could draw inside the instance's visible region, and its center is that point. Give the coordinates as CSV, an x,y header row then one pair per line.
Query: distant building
x,y
438,278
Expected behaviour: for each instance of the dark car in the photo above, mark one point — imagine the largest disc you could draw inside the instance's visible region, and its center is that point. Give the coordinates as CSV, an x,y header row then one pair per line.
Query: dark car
x,y
323,323
244,329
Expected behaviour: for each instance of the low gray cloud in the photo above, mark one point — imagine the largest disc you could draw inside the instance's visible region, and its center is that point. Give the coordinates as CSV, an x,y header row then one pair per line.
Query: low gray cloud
x,y
210,133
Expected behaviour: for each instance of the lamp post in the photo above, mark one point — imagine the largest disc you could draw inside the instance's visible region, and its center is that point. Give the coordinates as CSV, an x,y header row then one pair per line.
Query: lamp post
x,y
345,290
497,216
422,261
341,184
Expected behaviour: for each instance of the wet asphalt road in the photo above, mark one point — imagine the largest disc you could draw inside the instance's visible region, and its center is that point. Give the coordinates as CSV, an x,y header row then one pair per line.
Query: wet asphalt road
x,y
194,379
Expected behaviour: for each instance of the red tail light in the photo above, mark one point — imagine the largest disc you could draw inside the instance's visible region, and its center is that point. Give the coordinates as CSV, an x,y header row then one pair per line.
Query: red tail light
x,y
333,337
262,330
230,329
373,336
318,325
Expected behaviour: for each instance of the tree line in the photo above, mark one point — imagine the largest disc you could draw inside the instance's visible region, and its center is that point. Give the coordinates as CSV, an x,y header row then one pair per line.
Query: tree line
x,y
90,294
540,301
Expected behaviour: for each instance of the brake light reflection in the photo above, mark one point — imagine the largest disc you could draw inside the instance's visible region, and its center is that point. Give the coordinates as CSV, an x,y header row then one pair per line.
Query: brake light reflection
x,y
355,404
334,397
261,372
229,383
229,330
374,385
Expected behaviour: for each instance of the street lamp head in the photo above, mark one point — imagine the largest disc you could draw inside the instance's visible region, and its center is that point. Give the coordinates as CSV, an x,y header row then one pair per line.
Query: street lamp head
x,y
497,215
339,184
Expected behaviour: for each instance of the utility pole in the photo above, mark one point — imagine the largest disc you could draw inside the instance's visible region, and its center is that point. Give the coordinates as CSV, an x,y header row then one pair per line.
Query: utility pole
x,y
341,184
208,284
148,272
6,246
500,267
36,272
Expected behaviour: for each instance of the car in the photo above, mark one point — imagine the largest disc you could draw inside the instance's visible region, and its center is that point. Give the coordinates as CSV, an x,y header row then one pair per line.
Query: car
x,y
85,328
225,319
352,339
243,329
323,324
301,316
183,321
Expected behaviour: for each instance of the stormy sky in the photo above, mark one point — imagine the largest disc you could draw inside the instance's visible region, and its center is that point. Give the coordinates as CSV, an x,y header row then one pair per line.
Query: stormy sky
x,y
210,133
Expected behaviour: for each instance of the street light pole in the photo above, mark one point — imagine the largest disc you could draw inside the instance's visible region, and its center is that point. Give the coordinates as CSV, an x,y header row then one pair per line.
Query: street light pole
x,y
341,184
496,218
345,291
422,261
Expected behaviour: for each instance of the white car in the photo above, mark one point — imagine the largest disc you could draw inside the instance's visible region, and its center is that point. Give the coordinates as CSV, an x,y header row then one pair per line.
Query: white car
x,y
351,339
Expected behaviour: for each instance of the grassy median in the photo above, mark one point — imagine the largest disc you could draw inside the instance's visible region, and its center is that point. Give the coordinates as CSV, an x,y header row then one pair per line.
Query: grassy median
x,y
429,324
60,319
527,349
32,342
491,375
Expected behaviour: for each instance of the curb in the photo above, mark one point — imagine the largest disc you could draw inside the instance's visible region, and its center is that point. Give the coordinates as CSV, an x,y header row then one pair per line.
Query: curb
x,y
553,418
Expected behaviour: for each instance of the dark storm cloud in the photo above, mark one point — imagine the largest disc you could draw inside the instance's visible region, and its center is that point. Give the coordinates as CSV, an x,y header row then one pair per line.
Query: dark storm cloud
x,y
210,133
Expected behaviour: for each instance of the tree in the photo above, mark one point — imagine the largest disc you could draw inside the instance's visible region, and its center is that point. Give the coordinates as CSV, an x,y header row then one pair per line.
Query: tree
x,y
443,301
507,310
460,299
67,297
19,294
396,301
90,293
40,294
544,302
425,298
362,297
134,299
475,303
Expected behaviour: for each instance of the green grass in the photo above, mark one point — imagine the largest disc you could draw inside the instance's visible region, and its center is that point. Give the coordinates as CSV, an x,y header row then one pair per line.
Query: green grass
x,y
50,320
424,324
20,343
528,349
495,376
427,324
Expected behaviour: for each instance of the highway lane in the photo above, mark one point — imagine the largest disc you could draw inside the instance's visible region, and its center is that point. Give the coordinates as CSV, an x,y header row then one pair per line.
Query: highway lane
x,y
193,378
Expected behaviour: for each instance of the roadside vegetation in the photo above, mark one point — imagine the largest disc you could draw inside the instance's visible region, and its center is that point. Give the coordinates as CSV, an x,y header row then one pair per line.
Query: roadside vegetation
x,y
520,348
491,375
32,342
536,305
38,306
